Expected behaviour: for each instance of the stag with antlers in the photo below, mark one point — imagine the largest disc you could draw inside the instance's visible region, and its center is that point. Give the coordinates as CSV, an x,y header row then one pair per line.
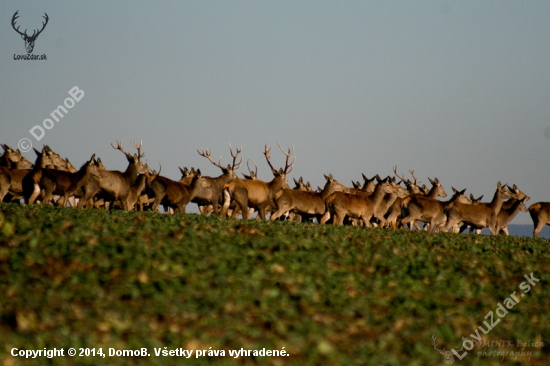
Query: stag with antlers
x,y
113,184
211,193
257,193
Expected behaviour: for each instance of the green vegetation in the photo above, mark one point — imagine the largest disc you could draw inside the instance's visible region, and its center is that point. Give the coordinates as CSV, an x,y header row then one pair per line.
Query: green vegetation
x,y
328,295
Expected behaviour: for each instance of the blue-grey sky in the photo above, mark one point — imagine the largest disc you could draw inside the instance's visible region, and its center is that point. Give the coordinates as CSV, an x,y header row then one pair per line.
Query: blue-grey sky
x,y
458,90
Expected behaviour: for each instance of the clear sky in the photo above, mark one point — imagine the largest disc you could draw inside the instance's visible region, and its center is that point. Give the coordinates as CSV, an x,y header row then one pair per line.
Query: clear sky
x,y
458,90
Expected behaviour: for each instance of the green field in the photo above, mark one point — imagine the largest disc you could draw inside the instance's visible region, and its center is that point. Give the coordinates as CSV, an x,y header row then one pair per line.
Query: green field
x,y
326,295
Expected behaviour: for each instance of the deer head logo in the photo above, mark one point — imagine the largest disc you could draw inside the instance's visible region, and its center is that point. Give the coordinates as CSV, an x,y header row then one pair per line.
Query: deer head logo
x,y
29,40
447,355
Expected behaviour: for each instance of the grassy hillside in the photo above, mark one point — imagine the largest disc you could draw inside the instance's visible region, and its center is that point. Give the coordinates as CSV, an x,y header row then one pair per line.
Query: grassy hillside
x,y
328,295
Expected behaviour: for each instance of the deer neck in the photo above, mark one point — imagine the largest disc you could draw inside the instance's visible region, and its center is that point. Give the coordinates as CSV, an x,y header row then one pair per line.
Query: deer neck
x,y
131,173
328,189
433,193
378,195
497,201
40,163
276,184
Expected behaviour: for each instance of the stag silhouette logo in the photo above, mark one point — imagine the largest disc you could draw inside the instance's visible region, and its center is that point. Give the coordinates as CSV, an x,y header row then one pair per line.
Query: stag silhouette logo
x,y
448,357
29,40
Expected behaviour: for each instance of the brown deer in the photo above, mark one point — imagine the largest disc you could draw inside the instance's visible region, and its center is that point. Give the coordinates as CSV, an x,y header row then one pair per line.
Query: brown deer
x,y
356,206
430,210
116,185
22,178
10,157
257,193
508,211
176,195
384,208
305,202
211,193
421,207
57,162
62,183
540,214
396,210
479,216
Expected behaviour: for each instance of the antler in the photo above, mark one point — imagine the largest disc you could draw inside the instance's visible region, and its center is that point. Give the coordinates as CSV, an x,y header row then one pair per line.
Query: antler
x,y
43,26
119,147
266,152
287,157
412,174
35,33
15,16
405,180
138,147
233,165
208,154
434,343
252,173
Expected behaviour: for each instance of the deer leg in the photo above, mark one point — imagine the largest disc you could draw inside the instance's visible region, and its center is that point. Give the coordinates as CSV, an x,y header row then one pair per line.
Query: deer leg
x,y
538,225
35,194
325,217
226,202
262,212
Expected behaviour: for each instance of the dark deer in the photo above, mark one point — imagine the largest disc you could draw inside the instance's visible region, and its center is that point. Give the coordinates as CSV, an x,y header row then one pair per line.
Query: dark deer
x,y
21,179
63,183
116,185
175,195
29,40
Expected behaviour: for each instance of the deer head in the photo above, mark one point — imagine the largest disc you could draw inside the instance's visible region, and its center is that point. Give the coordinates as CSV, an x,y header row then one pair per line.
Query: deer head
x,y
29,40
253,174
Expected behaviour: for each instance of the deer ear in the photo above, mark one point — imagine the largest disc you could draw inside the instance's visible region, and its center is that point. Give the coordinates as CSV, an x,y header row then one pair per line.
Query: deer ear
x,y
199,173
23,36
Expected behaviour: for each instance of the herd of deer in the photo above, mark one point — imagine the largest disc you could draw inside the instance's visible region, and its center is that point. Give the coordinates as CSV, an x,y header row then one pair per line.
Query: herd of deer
x,y
376,202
